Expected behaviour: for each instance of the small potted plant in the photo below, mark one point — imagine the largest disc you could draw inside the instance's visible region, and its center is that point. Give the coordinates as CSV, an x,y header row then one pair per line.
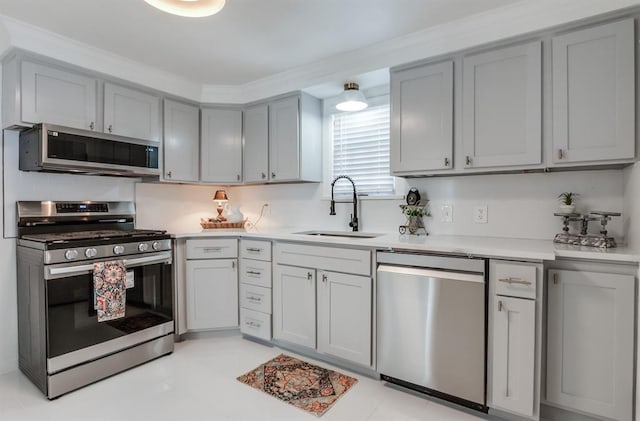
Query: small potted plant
x,y
567,200
414,220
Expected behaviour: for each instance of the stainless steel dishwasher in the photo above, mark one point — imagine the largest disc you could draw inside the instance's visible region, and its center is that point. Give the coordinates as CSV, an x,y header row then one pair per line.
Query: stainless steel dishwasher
x,y
431,320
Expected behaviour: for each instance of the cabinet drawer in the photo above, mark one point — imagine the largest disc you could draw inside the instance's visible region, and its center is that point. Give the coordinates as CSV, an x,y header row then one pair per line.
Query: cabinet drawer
x,y
255,298
325,258
212,249
255,272
258,250
514,279
256,324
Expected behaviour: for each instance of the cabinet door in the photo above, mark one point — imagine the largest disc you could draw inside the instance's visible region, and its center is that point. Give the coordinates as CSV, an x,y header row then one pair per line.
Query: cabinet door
x,y
132,113
514,330
344,316
594,94
422,118
212,294
55,96
590,342
256,143
294,305
284,140
221,146
181,140
502,107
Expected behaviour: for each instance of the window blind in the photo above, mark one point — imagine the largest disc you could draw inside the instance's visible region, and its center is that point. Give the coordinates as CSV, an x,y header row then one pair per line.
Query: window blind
x,y
361,151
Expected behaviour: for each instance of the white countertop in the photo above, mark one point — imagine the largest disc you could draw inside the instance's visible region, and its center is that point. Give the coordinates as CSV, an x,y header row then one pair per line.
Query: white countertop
x,y
511,248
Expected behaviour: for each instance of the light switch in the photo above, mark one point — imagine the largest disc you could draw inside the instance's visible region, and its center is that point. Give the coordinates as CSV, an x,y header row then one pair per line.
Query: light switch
x,y
446,212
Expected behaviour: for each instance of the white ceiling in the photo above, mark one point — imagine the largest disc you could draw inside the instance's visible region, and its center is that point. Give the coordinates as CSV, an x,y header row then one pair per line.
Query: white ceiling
x,y
248,40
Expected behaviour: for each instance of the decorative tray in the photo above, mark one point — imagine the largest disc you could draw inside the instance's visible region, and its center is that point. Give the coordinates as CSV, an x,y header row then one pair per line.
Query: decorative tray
x,y
211,223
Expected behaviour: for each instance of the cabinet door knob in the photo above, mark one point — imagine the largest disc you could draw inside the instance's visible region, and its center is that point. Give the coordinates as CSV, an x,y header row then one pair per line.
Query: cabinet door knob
x,y
273,175
324,277
168,174
500,305
238,177
446,162
309,275
467,160
560,154
91,125
110,128
264,176
555,279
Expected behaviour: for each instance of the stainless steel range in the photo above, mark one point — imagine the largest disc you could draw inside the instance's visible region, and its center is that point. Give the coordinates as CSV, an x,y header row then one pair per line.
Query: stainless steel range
x,y
62,345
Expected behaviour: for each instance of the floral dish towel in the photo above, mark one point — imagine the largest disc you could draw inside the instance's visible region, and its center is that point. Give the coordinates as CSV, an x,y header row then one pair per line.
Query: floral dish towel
x,y
110,290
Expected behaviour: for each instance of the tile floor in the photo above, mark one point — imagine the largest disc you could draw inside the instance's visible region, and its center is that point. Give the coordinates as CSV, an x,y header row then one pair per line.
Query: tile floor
x,y
197,382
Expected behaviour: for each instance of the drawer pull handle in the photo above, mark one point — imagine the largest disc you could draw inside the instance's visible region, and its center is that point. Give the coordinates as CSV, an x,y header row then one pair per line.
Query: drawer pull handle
x,y
251,272
324,277
211,249
254,298
254,250
309,275
511,280
253,324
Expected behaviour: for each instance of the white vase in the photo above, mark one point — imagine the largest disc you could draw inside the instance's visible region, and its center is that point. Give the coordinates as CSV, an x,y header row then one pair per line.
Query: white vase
x,y
234,214
567,208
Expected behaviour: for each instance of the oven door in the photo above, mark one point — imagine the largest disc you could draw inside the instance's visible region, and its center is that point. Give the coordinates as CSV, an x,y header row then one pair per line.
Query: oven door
x,y
75,336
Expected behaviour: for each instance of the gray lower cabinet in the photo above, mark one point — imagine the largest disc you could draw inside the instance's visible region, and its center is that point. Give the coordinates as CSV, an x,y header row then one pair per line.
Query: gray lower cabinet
x,y
590,342
344,316
221,145
294,305
181,141
594,94
422,119
52,95
502,107
131,113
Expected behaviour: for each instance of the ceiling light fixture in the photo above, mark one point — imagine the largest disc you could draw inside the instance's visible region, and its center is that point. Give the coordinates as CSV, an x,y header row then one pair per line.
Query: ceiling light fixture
x,y
188,8
352,99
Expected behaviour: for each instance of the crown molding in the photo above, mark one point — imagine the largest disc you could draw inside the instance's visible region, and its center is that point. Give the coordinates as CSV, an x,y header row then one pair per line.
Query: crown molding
x,y
49,44
516,19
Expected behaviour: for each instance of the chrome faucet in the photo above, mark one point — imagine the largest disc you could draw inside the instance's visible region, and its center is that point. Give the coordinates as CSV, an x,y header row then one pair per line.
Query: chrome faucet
x,y
332,209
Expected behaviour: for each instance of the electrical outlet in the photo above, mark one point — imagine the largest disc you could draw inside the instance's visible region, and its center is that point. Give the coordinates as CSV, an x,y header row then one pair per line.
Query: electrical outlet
x,y
446,212
480,214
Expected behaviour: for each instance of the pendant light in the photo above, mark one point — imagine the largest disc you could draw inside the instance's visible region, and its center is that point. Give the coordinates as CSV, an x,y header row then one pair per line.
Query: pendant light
x,y
352,99
188,8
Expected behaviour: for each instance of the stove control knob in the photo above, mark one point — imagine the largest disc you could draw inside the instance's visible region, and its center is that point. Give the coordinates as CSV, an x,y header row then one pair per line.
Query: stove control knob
x,y
143,247
91,252
70,254
118,250
155,245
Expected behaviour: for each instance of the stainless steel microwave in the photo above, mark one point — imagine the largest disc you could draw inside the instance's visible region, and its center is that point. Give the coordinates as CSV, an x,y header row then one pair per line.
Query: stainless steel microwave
x,y
46,147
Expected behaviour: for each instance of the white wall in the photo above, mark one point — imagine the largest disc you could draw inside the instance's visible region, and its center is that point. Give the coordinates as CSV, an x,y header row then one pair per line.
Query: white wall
x,y
520,205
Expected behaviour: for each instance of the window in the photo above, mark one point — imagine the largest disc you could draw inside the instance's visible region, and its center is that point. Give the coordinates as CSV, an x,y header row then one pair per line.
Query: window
x,y
360,149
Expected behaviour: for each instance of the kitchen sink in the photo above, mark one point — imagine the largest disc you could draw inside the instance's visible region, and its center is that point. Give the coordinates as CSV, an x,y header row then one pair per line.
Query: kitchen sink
x,y
342,234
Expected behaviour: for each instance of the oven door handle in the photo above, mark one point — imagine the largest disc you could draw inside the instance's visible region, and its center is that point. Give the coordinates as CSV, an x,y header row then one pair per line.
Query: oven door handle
x,y
59,272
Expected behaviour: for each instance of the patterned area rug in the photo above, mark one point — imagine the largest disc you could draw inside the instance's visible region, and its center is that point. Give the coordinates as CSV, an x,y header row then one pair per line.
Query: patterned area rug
x,y
307,386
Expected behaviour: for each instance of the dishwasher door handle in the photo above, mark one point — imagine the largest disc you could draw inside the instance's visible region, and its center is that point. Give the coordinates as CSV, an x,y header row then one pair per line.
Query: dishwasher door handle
x,y
431,273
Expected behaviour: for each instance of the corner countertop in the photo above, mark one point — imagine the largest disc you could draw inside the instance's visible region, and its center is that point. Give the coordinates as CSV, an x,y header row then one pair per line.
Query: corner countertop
x,y
509,248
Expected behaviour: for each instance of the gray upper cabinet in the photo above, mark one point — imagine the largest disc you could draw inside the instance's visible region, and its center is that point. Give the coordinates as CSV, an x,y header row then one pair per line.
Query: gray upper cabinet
x,y
56,96
284,135
132,113
590,342
283,140
181,141
422,119
256,143
594,94
502,107
221,145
